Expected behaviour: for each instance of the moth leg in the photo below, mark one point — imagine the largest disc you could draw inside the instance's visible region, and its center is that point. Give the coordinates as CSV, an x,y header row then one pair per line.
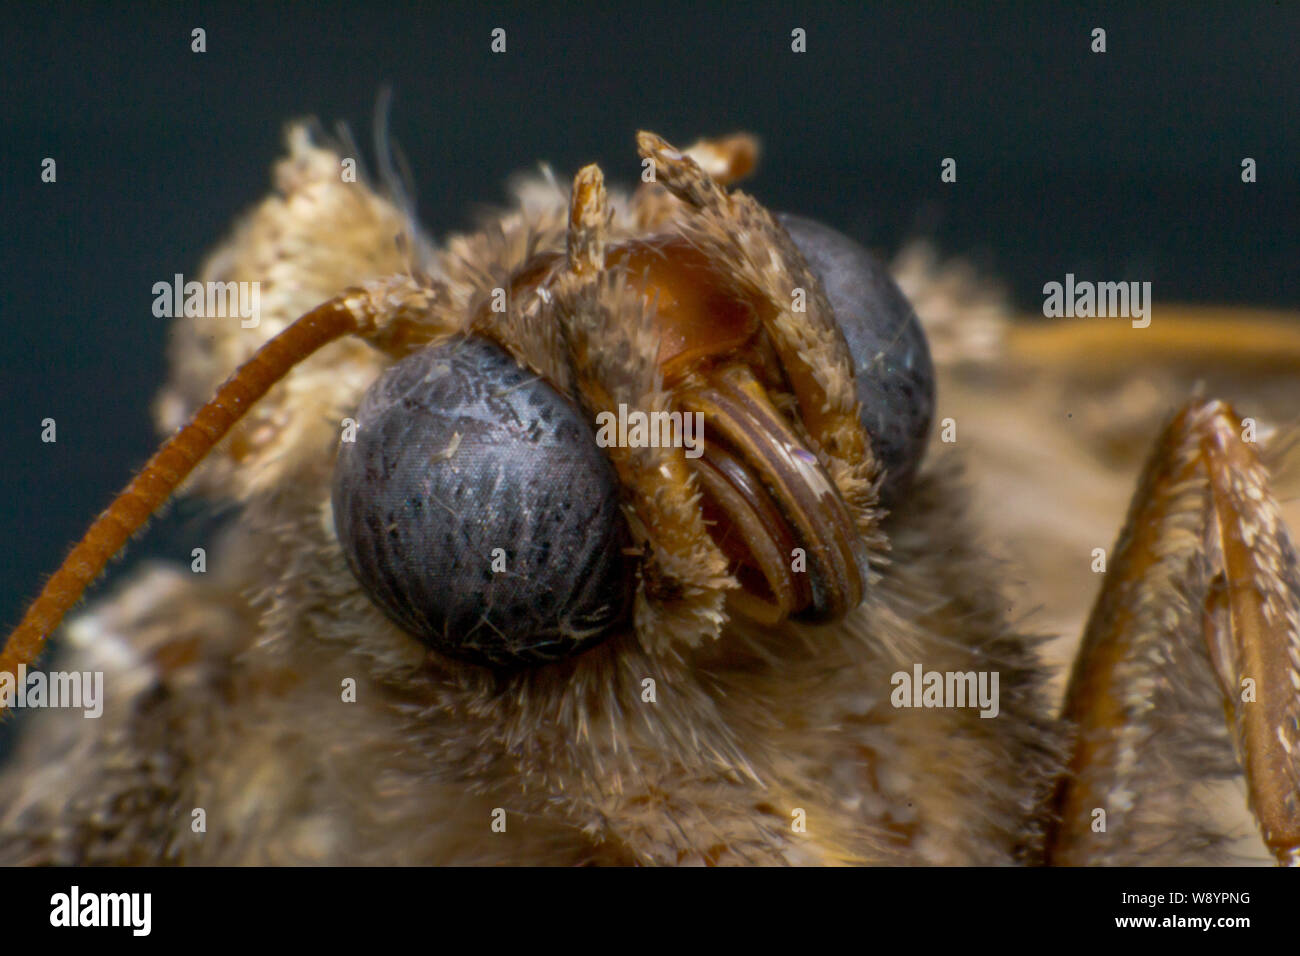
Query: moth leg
x,y
1253,339
1202,590
613,347
735,230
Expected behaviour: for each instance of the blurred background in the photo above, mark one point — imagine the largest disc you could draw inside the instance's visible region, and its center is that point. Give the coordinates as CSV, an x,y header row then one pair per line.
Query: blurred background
x,y
1116,166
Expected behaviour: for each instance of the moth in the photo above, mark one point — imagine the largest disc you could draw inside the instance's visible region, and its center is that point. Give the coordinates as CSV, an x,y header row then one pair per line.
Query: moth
x,y
457,619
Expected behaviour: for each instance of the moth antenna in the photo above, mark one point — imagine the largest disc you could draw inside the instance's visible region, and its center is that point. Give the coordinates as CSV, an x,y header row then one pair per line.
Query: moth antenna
x,y
372,313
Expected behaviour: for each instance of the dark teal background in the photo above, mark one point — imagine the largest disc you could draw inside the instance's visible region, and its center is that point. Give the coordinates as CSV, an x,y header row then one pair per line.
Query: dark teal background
x,y
1122,166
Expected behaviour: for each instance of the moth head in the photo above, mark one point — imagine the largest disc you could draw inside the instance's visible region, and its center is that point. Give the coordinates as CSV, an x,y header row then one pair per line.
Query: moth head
x,y
483,505
480,506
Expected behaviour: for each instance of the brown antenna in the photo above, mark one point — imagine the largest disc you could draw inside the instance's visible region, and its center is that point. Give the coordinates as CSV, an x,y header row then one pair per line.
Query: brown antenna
x,y
352,311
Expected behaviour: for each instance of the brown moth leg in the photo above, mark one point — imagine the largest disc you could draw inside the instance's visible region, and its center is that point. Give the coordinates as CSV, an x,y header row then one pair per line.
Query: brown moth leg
x,y
615,362
1255,339
1204,559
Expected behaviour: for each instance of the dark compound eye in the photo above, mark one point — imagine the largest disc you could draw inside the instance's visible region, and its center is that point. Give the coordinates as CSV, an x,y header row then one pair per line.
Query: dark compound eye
x,y
894,375
476,509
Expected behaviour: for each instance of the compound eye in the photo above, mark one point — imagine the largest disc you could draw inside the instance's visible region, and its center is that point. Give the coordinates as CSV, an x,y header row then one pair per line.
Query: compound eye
x,y
477,511
894,377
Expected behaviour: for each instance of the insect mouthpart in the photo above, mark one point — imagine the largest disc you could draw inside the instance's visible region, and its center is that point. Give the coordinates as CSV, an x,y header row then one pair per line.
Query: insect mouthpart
x,y
776,512
770,505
